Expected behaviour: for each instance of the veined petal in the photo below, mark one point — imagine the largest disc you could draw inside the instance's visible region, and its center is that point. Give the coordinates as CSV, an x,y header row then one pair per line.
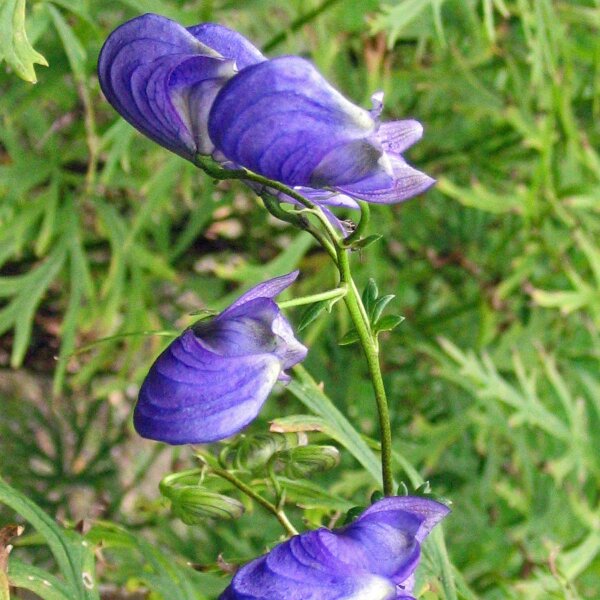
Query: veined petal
x,y
253,327
348,163
406,182
149,67
373,558
430,512
398,136
278,576
280,118
193,396
213,379
266,289
228,43
327,197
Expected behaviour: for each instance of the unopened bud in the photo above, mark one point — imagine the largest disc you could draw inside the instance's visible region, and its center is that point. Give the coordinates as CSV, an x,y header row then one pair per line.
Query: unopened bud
x,y
303,461
193,505
253,452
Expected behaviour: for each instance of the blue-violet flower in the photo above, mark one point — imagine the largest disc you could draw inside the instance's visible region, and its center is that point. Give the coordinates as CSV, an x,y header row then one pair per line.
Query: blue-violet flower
x,y
373,558
212,380
207,90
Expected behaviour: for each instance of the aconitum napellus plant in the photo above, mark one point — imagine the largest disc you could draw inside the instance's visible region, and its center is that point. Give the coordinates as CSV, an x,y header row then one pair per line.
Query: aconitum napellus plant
x,y
209,95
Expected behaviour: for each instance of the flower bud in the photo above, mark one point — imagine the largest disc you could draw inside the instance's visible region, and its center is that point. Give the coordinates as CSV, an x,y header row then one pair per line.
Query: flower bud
x,y
253,452
304,461
193,505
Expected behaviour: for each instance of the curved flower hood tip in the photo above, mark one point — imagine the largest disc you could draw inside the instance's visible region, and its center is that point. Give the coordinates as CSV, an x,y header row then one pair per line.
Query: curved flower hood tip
x,y
207,90
373,558
212,381
163,77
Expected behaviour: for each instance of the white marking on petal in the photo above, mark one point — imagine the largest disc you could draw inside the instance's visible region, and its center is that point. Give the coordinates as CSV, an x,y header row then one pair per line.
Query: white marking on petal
x,y
376,588
386,164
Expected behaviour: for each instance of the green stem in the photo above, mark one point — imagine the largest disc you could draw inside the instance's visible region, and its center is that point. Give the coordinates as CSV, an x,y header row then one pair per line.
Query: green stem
x,y
365,214
246,489
368,341
297,24
215,170
336,293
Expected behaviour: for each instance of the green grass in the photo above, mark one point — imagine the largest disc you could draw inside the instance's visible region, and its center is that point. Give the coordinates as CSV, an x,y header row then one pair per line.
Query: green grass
x,y
493,376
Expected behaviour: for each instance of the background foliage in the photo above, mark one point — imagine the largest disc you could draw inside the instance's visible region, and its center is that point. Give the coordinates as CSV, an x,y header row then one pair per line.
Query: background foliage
x,y
494,375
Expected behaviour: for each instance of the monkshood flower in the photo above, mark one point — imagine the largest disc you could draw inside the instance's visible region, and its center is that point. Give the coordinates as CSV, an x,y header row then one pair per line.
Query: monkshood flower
x,y
207,90
373,558
212,380
163,77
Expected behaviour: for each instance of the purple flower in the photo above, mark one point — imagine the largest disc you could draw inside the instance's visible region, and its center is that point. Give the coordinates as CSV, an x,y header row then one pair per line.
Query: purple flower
x,y
207,90
212,380
282,119
163,77
373,558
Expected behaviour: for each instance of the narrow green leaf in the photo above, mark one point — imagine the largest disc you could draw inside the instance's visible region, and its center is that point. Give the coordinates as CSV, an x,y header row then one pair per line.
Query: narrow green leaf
x,y
73,555
370,295
73,47
367,241
388,323
36,580
351,337
379,307
30,295
311,313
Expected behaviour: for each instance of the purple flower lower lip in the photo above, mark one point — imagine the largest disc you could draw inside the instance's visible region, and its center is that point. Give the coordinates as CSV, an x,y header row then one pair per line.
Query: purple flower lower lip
x,y
212,380
373,558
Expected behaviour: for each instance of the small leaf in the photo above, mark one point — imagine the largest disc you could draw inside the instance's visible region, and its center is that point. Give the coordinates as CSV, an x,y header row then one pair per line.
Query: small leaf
x,y
73,555
15,48
370,295
388,323
300,424
379,306
74,49
367,241
353,514
36,580
349,338
312,312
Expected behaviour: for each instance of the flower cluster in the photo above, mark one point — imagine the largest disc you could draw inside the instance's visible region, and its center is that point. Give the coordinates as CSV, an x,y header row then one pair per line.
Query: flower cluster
x,y
206,90
373,558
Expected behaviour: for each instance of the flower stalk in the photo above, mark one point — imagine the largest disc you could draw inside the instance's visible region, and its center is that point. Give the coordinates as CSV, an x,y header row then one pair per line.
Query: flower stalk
x,y
335,294
277,511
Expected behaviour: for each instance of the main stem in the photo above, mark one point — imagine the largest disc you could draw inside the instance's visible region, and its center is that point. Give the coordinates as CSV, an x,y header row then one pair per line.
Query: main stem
x,y
370,348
